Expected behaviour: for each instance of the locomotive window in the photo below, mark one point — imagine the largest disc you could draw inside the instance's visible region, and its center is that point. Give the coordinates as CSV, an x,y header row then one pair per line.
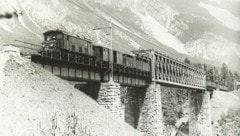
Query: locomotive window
x,y
50,37
59,36
73,47
104,52
86,51
67,37
80,49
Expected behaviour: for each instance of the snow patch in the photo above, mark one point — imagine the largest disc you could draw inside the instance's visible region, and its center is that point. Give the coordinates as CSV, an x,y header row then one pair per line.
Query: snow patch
x,y
106,16
160,33
223,15
220,107
15,5
213,47
25,26
4,25
30,18
112,20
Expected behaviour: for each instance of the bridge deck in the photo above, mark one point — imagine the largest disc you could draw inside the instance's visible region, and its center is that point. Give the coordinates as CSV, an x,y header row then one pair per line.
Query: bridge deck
x,y
164,70
92,72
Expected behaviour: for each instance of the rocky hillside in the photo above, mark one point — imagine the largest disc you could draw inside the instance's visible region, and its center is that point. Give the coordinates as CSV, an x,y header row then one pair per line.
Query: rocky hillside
x,y
35,102
226,114
176,111
203,28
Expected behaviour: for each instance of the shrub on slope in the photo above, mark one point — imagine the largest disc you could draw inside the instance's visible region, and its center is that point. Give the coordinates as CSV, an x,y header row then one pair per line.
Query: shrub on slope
x,y
229,124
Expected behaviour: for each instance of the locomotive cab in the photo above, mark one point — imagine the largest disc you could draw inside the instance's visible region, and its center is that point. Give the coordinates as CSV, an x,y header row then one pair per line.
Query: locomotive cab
x,y
52,41
59,44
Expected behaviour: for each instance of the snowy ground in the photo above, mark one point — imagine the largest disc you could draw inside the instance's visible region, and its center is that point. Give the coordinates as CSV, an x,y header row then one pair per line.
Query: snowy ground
x,y
35,102
222,102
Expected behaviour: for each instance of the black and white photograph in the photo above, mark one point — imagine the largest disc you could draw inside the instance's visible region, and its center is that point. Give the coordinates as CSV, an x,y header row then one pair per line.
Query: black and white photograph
x,y
119,67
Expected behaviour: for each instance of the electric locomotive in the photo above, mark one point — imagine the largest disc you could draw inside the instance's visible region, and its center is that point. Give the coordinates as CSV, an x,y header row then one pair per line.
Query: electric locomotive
x,y
58,44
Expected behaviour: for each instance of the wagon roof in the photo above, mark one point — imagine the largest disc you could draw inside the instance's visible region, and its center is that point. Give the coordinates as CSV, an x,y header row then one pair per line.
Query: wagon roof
x,y
65,33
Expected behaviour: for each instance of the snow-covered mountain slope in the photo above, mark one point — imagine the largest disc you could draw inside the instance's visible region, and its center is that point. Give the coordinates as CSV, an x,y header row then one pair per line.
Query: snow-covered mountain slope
x,y
216,48
202,28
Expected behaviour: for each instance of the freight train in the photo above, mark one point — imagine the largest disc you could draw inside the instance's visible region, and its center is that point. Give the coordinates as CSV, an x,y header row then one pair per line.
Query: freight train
x,y
58,44
61,46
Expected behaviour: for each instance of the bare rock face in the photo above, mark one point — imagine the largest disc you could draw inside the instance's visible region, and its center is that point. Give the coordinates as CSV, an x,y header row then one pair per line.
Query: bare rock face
x,y
34,102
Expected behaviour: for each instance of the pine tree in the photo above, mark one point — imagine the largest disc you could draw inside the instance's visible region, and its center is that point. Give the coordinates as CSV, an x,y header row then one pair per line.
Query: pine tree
x,y
215,75
236,76
187,61
210,74
224,73
230,81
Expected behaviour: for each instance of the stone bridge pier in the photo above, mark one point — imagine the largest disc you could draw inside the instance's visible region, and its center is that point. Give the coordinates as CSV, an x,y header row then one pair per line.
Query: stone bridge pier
x,y
150,119
141,107
110,97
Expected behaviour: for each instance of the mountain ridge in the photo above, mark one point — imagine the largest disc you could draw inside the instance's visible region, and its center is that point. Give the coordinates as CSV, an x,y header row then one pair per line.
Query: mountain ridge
x,y
173,28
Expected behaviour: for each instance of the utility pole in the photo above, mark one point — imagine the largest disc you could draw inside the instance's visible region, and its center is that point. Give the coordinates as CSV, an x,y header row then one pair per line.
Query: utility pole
x,y
111,49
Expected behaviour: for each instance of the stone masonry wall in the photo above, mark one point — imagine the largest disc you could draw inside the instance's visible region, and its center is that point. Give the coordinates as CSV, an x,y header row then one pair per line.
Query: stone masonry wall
x,y
109,96
150,121
200,113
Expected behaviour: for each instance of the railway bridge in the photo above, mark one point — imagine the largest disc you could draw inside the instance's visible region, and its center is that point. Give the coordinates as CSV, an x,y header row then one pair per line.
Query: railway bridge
x,y
95,79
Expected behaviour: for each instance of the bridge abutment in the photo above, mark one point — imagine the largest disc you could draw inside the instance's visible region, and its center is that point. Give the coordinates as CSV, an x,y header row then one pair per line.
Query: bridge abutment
x,y
200,113
151,120
109,96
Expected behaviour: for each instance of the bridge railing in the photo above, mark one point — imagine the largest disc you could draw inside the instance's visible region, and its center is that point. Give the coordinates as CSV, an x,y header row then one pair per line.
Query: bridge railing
x,y
175,71
214,80
27,48
165,69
